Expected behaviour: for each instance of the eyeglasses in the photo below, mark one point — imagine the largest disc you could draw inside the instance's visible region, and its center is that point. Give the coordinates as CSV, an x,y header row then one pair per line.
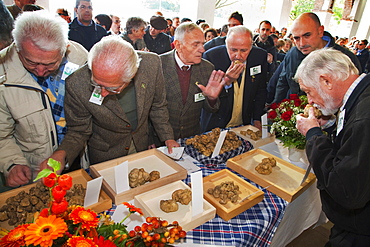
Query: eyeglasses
x,y
115,90
85,7
33,64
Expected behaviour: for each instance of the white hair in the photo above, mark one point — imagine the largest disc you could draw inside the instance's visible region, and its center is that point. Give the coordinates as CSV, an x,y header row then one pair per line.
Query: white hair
x,y
184,28
47,31
116,54
238,30
325,61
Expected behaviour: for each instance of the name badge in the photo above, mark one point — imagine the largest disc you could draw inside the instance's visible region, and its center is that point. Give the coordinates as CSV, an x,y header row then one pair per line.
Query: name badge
x,y
199,97
96,97
255,70
69,68
341,121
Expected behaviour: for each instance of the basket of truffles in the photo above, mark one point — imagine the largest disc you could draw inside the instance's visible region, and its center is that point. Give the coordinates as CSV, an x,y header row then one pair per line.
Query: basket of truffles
x,y
201,147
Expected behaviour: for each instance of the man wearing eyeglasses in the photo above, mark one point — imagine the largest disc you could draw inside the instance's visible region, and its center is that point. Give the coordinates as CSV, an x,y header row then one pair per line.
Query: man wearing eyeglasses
x,y
83,29
109,103
363,55
32,74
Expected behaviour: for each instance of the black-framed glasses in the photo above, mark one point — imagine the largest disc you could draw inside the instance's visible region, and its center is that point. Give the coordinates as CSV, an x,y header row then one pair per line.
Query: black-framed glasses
x,y
115,90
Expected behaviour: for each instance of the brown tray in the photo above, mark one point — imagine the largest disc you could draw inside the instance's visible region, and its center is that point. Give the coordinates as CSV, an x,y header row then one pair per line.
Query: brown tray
x,y
230,210
284,180
78,177
149,203
257,143
150,160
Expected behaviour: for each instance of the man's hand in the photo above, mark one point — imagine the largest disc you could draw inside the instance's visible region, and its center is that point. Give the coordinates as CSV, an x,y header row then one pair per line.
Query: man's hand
x,y
19,175
270,58
214,86
305,124
170,144
233,72
60,156
257,124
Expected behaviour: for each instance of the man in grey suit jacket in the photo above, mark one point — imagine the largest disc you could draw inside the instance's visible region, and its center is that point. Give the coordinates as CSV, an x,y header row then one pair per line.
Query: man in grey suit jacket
x,y
109,102
193,89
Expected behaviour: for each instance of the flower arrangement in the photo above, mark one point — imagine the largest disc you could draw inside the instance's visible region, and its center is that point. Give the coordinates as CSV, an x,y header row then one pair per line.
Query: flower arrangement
x,y
75,226
283,120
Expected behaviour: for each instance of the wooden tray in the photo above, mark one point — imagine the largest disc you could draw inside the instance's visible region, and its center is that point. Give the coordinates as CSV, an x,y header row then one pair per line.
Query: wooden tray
x,y
257,143
149,203
79,177
230,210
150,160
284,180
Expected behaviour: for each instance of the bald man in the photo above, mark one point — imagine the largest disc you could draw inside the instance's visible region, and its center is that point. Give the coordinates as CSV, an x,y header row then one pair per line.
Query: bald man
x,y
309,35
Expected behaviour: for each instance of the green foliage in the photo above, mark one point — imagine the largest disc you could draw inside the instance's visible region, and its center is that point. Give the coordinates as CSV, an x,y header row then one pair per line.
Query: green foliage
x,y
301,6
46,172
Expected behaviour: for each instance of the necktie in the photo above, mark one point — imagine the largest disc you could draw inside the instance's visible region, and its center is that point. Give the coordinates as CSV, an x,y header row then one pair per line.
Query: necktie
x,y
185,68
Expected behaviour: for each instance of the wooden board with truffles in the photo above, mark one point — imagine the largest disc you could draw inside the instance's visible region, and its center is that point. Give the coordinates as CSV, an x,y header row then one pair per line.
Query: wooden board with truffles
x,y
253,135
18,204
173,203
227,192
148,170
283,178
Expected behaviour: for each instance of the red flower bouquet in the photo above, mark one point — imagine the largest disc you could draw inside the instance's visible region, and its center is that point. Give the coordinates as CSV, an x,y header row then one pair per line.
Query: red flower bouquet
x,y
75,226
283,120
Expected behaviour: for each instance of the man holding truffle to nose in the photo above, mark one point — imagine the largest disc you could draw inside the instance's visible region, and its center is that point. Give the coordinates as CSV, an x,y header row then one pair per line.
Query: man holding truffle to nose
x,y
340,159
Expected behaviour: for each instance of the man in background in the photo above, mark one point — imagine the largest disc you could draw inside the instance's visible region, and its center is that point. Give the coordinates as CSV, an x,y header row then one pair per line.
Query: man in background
x,y
116,25
134,32
243,98
155,38
191,83
83,29
17,7
6,26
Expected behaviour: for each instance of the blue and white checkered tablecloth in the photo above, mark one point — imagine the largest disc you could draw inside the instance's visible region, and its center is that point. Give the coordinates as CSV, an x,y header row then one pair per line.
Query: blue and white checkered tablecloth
x,y
254,227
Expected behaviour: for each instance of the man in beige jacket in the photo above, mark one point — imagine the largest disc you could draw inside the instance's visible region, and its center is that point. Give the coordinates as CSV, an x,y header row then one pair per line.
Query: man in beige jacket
x,y
32,74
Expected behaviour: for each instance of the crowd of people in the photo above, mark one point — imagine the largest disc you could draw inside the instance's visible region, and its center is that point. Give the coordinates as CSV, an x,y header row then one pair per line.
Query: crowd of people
x,y
86,90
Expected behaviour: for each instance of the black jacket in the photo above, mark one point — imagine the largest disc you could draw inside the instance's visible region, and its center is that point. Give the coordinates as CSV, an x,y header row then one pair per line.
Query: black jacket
x,y
341,164
87,36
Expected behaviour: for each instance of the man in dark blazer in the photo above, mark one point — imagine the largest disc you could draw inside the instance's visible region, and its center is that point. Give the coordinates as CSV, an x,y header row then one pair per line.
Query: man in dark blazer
x,y
243,98
109,102
196,88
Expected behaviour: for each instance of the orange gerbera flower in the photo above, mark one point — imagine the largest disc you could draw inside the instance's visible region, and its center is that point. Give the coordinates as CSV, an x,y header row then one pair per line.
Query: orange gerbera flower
x,y
77,241
101,242
15,237
132,208
45,230
87,218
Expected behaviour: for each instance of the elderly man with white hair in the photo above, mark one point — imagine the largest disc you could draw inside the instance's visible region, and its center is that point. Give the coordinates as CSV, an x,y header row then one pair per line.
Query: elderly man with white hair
x,y
340,159
110,100
32,74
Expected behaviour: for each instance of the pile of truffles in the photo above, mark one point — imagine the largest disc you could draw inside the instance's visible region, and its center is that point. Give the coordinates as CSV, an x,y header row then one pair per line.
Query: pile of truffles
x,y
254,135
206,143
265,167
226,191
20,209
181,196
138,177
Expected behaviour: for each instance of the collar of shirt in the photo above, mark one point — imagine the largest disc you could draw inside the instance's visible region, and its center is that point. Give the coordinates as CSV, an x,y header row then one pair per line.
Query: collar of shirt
x,y
179,62
80,23
326,38
350,90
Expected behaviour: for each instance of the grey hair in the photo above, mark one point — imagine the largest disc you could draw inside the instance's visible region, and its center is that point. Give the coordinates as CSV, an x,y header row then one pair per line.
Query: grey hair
x,y
79,1
327,61
134,23
117,54
47,31
185,27
238,30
